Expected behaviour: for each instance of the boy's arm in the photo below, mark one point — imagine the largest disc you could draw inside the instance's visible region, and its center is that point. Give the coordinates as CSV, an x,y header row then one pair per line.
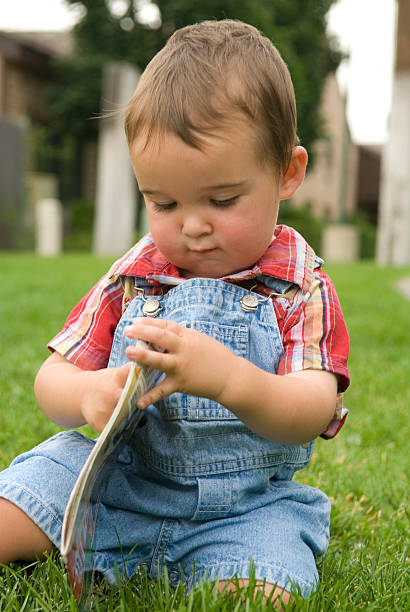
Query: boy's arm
x,y
290,409
71,397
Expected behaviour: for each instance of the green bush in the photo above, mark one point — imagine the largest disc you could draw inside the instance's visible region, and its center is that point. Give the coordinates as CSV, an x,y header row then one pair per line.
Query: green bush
x,y
367,235
79,219
311,228
305,222
16,226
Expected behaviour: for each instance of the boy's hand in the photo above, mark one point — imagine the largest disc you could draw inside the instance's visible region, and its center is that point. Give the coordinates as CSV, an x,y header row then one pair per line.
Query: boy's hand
x,y
71,397
102,395
194,363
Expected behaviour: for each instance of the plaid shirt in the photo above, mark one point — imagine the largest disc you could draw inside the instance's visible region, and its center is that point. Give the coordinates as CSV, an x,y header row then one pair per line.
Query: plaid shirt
x,y
310,321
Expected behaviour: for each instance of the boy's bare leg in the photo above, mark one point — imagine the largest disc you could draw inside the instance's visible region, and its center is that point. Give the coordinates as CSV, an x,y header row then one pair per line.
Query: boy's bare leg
x,y
20,538
280,597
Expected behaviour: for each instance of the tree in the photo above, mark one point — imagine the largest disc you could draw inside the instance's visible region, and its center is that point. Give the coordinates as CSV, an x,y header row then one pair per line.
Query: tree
x,y
297,27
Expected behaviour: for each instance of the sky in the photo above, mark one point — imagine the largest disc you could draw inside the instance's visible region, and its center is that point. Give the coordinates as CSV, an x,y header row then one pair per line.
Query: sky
x,y
364,28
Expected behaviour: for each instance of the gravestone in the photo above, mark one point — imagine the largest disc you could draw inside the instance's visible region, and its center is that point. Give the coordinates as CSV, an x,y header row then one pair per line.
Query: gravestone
x,y
340,243
49,227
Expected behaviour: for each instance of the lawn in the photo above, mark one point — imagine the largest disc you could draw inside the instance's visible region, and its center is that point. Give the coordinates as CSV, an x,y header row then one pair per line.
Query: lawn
x,y
364,470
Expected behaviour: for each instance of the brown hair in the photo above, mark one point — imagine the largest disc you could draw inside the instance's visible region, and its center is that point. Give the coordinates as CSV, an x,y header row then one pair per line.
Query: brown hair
x,y
205,74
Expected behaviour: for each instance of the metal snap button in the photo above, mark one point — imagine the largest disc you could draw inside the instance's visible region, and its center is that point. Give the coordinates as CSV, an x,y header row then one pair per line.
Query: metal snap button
x,y
249,303
151,308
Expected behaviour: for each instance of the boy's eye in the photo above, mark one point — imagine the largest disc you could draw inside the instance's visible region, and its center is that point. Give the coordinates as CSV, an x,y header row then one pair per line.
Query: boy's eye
x,y
164,207
226,202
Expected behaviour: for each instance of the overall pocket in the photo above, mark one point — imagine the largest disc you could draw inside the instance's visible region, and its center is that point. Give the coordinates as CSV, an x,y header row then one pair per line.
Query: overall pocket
x,y
191,408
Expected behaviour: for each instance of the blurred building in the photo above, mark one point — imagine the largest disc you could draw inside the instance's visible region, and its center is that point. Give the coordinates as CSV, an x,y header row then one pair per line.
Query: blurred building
x,y
34,163
330,187
25,68
368,181
393,244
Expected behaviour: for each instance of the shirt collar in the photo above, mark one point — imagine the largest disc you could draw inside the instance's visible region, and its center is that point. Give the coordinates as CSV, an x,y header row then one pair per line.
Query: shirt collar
x,y
288,257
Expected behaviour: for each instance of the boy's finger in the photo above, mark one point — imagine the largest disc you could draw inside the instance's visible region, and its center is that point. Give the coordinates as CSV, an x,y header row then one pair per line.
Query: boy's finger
x,y
161,336
154,359
162,390
172,326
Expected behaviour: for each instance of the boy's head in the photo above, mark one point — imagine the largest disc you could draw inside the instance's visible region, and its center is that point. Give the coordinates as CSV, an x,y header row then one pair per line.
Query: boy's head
x,y
208,74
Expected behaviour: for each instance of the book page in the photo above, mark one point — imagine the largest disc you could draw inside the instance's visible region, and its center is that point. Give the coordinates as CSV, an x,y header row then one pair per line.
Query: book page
x,y
80,518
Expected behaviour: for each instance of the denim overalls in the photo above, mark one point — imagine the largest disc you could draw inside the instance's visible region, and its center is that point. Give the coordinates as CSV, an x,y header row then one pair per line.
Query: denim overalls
x,y
196,490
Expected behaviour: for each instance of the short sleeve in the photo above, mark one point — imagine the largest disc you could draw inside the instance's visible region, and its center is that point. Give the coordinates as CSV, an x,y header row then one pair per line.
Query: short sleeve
x,y
315,337
88,332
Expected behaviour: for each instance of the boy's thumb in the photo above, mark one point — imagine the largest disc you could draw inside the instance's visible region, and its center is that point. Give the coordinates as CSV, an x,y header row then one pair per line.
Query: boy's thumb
x,y
123,372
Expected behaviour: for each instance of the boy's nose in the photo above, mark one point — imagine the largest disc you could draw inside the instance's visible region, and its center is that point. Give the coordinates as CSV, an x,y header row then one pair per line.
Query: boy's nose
x,y
194,226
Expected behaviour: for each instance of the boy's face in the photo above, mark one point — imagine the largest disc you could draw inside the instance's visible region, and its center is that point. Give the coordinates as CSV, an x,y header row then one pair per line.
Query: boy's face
x,y
211,212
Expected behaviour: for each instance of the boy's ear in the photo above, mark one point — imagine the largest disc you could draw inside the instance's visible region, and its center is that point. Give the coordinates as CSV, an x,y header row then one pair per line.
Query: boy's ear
x,y
295,173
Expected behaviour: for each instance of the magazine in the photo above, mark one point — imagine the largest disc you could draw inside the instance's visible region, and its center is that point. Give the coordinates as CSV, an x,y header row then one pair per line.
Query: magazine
x,y
78,535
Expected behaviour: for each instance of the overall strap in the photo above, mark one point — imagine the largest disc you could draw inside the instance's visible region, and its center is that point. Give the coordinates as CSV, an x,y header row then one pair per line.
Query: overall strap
x,y
133,285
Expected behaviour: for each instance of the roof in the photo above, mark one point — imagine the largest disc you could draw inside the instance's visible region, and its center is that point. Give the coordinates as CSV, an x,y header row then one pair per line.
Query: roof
x,y
47,43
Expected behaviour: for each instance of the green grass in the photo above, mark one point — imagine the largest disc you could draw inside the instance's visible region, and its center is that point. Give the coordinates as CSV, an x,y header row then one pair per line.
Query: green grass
x,y
364,470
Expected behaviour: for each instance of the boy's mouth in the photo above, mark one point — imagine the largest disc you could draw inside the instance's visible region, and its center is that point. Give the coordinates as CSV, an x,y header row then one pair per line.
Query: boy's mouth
x,y
202,251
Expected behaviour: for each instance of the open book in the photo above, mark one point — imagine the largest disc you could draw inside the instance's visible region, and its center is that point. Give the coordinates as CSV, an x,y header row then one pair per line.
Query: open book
x,y
79,526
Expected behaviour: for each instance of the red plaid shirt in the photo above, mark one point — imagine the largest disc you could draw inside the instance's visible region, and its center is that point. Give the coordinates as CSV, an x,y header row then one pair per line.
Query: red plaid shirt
x,y
311,323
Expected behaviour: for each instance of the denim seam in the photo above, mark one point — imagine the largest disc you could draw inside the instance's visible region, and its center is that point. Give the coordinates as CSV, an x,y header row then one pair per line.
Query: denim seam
x,y
14,487
162,541
212,572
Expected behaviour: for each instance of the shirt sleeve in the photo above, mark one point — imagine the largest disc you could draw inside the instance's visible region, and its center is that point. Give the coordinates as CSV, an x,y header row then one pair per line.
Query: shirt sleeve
x,y
315,336
88,332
